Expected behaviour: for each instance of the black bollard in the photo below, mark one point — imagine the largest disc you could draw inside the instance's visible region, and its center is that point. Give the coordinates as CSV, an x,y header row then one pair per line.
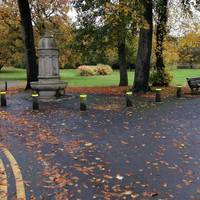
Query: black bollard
x,y
158,95
3,99
35,101
83,102
128,99
179,91
6,86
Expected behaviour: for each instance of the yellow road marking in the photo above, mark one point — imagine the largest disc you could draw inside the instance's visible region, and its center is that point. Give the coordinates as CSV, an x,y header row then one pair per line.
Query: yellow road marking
x,y
20,190
3,182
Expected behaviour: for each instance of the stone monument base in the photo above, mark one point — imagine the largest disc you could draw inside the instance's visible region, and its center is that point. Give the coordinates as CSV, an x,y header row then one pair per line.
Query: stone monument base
x,y
49,87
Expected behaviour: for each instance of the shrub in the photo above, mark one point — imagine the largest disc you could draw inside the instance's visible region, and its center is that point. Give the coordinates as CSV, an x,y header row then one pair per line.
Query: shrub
x,y
100,69
103,69
69,66
19,65
85,70
130,66
160,78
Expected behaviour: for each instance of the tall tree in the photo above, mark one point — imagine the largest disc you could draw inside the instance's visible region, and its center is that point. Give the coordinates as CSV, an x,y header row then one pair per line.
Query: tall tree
x,y
11,51
43,13
160,77
161,26
27,30
52,16
161,19
122,47
107,22
142,68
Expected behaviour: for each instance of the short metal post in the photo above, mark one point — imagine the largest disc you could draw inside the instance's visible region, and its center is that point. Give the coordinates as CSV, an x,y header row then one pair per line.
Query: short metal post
x,y
179,91
6,86
35,101
158,95
128,99
83,102
3,99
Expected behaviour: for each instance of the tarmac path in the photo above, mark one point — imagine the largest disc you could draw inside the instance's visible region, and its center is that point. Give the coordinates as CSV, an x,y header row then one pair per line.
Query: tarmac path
x,y
150,151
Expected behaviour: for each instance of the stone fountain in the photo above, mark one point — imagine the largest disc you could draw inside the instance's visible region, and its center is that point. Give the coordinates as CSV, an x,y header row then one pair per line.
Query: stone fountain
x,y
49,85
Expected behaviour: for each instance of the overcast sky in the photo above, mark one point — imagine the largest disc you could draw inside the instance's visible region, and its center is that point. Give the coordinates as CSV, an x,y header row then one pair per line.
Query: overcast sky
x,y
178,23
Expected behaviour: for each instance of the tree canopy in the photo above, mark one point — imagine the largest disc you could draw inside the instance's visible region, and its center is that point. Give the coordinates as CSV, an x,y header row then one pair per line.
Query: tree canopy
x,y
121,33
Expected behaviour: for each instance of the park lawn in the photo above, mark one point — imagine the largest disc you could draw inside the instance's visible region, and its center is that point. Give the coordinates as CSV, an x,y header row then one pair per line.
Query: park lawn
x,y
74,79
12,74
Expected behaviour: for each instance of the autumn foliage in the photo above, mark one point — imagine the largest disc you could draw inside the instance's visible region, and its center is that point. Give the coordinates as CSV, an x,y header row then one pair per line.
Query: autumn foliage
x,y
99,69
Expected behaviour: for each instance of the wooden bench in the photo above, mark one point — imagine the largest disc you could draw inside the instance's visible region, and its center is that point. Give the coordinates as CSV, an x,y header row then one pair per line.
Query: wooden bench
x,y
194,83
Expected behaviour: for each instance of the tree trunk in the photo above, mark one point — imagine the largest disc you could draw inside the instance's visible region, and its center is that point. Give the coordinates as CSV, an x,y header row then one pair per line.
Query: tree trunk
x,y
122,48
161,33
122,63
142,68
32,67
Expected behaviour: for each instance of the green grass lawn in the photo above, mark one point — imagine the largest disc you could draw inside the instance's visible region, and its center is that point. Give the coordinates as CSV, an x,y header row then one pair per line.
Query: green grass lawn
x,y
74,79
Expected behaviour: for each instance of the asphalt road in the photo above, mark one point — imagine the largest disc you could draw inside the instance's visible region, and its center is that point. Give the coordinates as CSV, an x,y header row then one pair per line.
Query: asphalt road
x,y
150,151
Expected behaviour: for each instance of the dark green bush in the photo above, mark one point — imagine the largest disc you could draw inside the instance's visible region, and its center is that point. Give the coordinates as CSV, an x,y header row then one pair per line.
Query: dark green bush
x,y
19,66
160,77
69,66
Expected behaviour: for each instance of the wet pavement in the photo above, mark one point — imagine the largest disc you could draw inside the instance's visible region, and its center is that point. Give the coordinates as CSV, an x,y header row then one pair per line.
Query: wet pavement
x,y
11,84
150,151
